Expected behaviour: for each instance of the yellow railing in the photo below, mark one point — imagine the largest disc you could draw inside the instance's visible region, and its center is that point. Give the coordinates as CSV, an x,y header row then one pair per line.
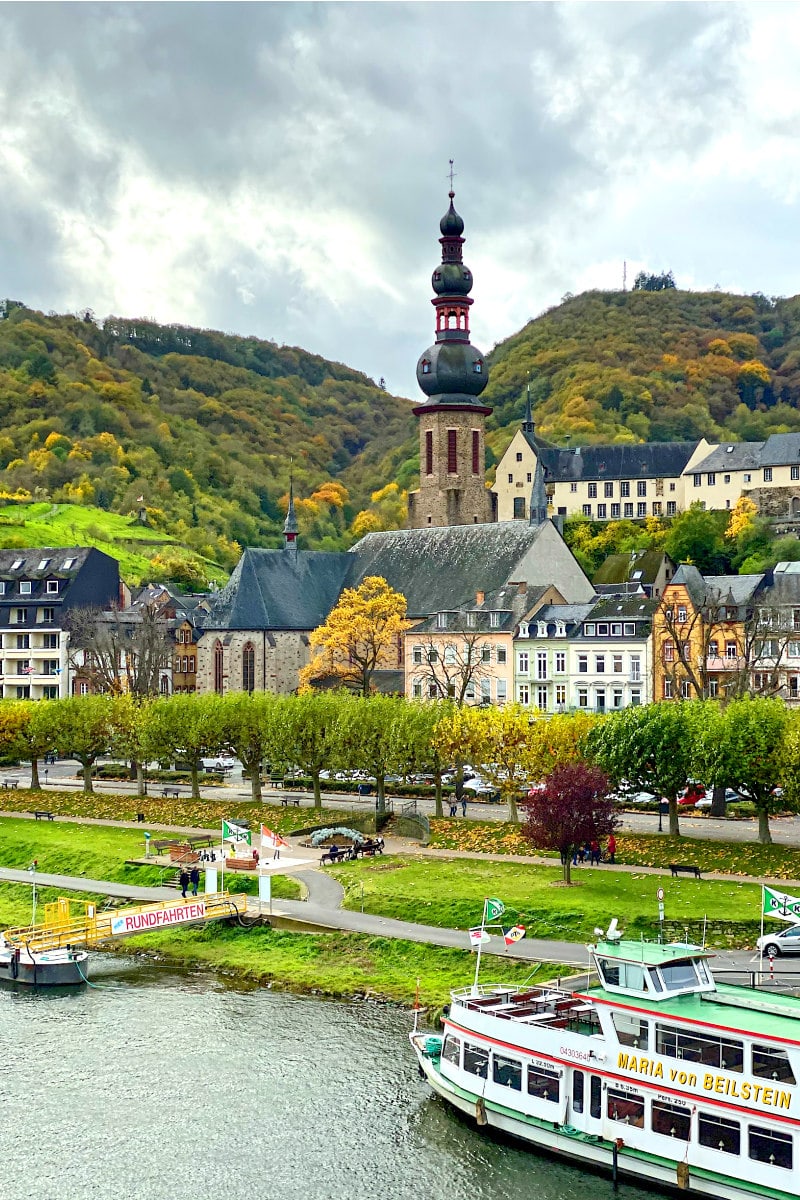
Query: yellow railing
x,y
61,928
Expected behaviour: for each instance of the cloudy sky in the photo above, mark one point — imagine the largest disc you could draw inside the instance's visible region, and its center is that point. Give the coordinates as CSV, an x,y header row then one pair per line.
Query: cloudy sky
x,y
280,169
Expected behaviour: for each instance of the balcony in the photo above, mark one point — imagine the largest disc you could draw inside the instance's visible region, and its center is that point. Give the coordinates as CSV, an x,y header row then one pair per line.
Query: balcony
x,y
725,662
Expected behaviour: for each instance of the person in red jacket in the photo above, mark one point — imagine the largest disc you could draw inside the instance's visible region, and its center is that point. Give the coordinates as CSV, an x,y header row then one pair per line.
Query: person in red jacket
x,y
612,848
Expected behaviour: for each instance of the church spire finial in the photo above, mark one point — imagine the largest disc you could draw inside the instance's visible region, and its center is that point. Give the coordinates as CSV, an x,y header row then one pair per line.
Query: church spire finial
x,y
290,526
527,424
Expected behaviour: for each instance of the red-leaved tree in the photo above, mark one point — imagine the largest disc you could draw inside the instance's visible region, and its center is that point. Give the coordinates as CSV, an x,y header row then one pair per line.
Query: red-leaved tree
x,y
572,808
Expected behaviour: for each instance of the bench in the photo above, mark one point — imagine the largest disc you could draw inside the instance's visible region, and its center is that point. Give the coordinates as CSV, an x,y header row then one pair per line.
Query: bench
x,y
371,848
276,781
42,814
684,869
199,839
170,791
287,800
10,783
166,844
340,856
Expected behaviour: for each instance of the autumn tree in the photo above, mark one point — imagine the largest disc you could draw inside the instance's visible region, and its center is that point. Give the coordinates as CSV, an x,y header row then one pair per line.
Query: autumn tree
x,y
309,730
364,738
190,726
557,740
361,633
414,746
83,729
742,745
571,809
26,732
249,724
650,748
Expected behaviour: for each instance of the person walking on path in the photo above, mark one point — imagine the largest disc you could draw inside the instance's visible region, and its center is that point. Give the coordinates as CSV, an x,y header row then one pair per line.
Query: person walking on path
x,y
194,876
453,806
464,806
183,881
595,853
612,848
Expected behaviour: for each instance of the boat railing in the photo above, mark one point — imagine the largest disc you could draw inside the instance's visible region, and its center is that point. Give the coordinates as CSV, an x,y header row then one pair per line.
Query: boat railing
x,y
544,1005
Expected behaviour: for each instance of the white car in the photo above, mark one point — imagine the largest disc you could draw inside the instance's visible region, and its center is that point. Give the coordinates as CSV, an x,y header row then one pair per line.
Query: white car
x,y
785,941
731,797
222,762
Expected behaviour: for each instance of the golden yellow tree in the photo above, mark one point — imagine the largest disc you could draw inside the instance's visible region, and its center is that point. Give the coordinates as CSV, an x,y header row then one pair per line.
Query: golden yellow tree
x,y
743,514
362,632
556,741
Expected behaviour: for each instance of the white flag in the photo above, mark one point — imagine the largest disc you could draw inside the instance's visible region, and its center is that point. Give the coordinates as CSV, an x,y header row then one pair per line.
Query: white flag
x,y
476,936
270,840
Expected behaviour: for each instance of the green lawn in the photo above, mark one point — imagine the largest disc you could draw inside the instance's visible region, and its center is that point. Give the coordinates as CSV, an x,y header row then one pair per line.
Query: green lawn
x,y
450,893
334,964
46,524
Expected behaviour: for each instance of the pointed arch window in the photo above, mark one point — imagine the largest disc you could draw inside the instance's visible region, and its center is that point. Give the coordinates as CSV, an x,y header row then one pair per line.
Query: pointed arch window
x,y
428,451
218,667
248,668
452,451
476,452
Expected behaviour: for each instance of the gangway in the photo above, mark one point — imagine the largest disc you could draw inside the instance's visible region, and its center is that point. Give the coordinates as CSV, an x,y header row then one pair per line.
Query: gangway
x,y
70,922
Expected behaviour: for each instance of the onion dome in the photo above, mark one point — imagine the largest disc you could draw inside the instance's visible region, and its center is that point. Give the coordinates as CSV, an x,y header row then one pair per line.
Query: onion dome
x,y
451,223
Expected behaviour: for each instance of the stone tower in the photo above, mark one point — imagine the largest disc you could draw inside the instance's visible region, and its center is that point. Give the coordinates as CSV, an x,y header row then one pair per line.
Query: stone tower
x,y
452,374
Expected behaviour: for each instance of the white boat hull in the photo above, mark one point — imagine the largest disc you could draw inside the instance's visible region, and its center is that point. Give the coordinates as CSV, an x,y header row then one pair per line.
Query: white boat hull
x,y
57,968
578,1147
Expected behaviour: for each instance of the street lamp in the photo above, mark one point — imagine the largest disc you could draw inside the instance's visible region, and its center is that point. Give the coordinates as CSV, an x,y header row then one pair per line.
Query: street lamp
x,y
660,813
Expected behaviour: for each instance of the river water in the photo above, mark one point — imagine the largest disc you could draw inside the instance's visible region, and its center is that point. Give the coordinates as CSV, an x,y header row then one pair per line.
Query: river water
x,y
159,1084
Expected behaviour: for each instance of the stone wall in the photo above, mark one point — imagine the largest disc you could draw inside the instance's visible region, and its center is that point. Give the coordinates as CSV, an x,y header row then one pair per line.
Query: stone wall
x,y
278,657
777,503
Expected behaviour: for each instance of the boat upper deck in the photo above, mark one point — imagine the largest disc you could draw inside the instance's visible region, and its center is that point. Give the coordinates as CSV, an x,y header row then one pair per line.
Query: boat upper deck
x,y
548,1006
740,1009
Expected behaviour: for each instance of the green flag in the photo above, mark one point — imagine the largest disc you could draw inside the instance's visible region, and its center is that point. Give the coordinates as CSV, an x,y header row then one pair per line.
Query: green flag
x,y
778,904
494,909
231,832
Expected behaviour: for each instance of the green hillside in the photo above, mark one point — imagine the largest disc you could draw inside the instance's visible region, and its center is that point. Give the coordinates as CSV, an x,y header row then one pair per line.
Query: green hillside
x,y
651,366
202,425
145,555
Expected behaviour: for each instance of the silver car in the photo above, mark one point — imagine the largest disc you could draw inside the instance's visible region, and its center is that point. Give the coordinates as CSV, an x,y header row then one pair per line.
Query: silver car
x,y
785,941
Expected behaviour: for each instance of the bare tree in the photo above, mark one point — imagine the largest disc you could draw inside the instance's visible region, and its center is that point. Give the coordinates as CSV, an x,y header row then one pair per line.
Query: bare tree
x,y
120,650
452,668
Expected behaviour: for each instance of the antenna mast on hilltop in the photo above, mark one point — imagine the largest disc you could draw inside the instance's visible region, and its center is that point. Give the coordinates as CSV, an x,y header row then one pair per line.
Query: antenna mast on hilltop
x,y
625,276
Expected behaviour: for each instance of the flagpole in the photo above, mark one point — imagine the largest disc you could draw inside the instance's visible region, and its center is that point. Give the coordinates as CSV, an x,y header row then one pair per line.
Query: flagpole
x,y
761,940
222,873
480,946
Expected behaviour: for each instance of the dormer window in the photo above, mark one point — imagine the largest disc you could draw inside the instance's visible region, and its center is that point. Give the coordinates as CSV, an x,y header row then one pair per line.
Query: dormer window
x,y
43,565
523,630
541,629
437,276
441,620
477,366
52,587
494,620
471,619
70,562
426,370
24,587
17,563
589,630
561,629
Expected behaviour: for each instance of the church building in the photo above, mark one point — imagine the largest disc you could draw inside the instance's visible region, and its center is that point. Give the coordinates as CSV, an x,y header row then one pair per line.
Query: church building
x,y
453,556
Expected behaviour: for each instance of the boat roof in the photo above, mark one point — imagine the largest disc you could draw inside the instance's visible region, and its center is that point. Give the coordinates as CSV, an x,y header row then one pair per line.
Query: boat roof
x,y
743,1010
652,954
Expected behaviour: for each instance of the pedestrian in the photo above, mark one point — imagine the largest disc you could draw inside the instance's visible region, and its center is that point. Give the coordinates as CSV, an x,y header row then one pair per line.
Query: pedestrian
x,y
464,806
587,853
276,852
612,848
255,857
595,853
194,877
183,881
453,806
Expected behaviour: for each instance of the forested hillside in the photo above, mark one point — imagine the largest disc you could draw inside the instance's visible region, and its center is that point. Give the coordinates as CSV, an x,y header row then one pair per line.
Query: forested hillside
x,y
651,366
201,425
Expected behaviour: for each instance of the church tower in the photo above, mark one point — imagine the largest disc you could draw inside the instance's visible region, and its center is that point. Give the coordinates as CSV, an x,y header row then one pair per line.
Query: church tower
x,y
452,374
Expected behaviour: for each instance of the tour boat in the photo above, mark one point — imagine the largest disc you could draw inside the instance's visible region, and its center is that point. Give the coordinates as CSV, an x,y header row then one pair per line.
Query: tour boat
x,y
654,1072
46,968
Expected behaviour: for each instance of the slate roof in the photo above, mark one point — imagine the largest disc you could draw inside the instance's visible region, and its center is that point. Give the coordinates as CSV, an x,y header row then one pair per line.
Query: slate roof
x,y
280,589
625,608
571,614
442,568
732,456
619,568
509,602
55,560
648,460
781,450
738,590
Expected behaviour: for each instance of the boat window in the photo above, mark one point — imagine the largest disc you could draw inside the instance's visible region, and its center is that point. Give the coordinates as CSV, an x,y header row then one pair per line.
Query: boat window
x,y
655,980
702,1048
452,1050
671,1119
631,1031
595,1093
769,1146
577,1092
507,1072
627,1107
544,1084
678,975
622,974
476,1060
719,1133
771,1063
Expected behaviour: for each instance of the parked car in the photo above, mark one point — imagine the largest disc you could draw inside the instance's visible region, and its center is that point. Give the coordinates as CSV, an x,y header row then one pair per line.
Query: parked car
x,y
624,797
785,941
731,797
480,787
220,762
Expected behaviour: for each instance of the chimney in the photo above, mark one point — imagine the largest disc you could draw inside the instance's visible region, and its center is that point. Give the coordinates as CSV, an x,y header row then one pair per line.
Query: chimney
x,y
480,597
